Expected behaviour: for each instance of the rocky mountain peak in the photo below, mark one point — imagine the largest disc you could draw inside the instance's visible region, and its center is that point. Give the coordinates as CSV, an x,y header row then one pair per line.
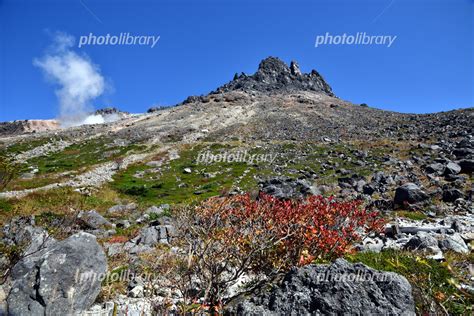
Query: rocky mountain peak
x,y
272,66
274,75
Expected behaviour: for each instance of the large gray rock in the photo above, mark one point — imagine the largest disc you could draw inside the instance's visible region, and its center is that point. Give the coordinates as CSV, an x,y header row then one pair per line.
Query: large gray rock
x,y
452,194
122,208
153,235
287,188
454,243
338,289
409,193
92,219
149,236
423,241
467,165
437,168
64,278
452,168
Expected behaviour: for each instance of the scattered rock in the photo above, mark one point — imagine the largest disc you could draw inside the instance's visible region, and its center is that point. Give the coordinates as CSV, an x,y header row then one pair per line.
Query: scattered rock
x,y
423,241
454,243
287,188
94,220
409,193
467,166
122,208
452,169
451,195
156,210
437,168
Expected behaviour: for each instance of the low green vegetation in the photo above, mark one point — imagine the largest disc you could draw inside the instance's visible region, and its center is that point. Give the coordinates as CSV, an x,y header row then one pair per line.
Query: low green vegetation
x,y
80,155
173,183
413,215
5,206
25,145
7,172
35,182
60,201
432,281
58,166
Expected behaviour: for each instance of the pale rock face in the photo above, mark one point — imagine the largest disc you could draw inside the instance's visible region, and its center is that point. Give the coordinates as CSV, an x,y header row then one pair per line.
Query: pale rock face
x,y
62,278
341,288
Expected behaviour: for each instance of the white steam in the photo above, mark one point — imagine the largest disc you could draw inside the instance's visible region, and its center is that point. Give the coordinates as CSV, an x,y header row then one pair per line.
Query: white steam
x,y
79,80
100,119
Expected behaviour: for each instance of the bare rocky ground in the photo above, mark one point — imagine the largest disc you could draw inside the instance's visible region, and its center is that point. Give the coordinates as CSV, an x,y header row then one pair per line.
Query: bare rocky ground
x,y
120,179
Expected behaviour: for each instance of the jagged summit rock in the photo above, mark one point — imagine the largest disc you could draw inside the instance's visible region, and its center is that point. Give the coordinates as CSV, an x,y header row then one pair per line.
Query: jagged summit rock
x,y
109,111
295,68
273,75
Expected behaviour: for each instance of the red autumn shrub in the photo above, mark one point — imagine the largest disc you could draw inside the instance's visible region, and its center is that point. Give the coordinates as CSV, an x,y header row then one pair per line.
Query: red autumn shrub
x,y
226,238
317,227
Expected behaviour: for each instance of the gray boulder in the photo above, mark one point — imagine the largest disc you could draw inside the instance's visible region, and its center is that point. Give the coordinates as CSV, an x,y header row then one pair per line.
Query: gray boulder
x,y
437,168
452,168
64,278
92,219
155,210
153,235
467,165
409,193
341,288
149,236
452,194
122,208
454,243
463,152
287,188
423,241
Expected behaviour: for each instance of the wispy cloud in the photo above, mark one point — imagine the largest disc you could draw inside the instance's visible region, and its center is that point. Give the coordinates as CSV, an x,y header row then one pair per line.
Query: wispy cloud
x,y
78,80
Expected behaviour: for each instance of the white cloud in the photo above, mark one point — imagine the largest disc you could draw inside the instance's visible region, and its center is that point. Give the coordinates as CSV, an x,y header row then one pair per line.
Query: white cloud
x,y
79,80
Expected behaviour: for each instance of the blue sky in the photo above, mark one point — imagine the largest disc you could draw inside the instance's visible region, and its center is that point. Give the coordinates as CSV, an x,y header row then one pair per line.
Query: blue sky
x,y
202,44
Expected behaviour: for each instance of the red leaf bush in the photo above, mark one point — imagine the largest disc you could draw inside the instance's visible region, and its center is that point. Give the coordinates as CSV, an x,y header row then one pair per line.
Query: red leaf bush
x,y
317,227
226,238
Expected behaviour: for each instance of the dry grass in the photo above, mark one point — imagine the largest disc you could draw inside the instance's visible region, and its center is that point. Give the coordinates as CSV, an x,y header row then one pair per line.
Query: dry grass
x,y
61,201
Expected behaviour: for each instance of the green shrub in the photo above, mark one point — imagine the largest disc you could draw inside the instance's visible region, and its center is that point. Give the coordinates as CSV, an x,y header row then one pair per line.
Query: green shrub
x,y
7,172
433,282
